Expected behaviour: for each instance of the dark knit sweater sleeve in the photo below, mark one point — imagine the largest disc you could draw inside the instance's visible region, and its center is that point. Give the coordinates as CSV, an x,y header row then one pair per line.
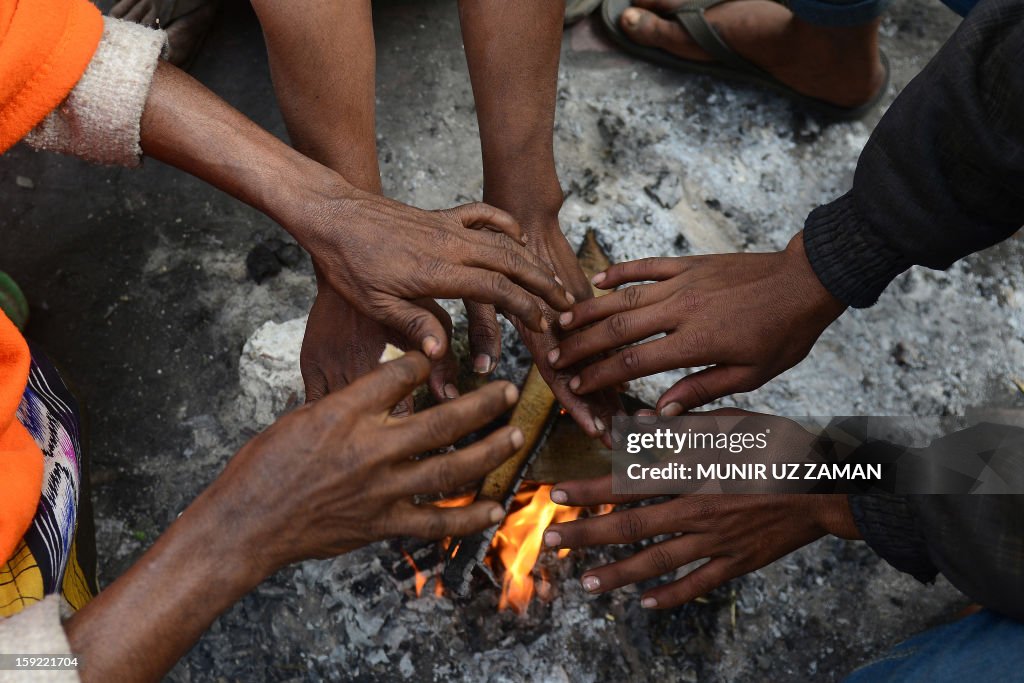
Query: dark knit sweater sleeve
x,y
942,176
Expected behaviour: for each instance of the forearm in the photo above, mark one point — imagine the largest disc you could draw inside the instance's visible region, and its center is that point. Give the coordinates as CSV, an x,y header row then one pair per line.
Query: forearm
x,y
145,621
940,177
323,64
187,126
512,49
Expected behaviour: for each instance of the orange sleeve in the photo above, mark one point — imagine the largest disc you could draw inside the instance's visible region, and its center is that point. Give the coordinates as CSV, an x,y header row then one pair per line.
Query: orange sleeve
x,y
45,47
21,461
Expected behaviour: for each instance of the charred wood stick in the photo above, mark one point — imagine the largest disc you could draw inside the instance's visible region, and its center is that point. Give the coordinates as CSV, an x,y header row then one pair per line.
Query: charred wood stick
x,y
535,414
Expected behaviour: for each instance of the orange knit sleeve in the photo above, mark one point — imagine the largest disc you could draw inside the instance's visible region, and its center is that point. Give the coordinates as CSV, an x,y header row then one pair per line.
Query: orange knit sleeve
x,y
21,461
45,47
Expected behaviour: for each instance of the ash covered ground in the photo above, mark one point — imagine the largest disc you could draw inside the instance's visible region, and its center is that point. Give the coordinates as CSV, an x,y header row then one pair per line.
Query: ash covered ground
x,y
139,288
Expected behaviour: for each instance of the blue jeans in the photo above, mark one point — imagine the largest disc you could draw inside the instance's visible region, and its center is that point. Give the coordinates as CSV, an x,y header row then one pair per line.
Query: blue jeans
x,y
854,12
982,647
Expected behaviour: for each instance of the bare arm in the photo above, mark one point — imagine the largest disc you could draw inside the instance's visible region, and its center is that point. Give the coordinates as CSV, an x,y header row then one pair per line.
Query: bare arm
x,y
324,480
513,50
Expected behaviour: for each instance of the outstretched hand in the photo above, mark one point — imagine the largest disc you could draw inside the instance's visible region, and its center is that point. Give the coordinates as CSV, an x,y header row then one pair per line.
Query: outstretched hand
x,y
339,473
594,411
738,534
382,256
749,317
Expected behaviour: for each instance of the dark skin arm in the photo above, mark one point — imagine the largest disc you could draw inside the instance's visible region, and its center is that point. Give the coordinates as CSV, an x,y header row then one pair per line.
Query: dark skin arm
x,y
326,479
323,63
750,317
512,49
473,248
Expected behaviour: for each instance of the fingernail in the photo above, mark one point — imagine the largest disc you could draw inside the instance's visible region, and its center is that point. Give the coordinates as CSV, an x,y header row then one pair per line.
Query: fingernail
x,y
569,297
559,281
552,539
450,391
648,603
430,344
599,278
482,364
497,514
630,18
671,410
591,583
544,324
599,424
565,318
511,393
517,438
559,496
524,239
553,355
574,383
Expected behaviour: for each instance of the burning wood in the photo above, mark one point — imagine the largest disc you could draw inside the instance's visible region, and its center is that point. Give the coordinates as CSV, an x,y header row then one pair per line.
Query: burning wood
x,y
535,414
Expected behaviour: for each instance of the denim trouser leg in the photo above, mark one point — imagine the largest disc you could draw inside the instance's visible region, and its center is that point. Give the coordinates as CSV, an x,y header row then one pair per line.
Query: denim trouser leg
x,y
854,12
837,12
982,647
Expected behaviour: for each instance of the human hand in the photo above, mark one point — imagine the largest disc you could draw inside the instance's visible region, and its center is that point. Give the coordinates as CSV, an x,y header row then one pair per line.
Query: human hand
x,y
338,474
749,316
341,344
737,533
472,250
592,412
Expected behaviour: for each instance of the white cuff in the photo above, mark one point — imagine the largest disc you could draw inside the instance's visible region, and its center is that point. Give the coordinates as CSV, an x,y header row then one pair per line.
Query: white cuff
x,y
99,121
36,630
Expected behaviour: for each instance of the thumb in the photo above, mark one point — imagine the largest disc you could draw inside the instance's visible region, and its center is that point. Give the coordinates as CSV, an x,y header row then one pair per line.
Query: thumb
x,y
706,386
480,216
417,325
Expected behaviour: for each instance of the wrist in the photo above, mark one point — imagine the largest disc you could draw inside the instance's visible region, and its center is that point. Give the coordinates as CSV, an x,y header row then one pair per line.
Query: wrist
x,y
825,305
534,199
833,515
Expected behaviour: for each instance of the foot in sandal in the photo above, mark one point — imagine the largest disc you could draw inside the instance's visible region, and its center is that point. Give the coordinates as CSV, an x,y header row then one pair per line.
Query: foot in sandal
x,y
187,23
838,65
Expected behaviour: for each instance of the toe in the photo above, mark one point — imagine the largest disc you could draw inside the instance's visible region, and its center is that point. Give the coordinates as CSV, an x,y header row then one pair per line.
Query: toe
x,y
647,28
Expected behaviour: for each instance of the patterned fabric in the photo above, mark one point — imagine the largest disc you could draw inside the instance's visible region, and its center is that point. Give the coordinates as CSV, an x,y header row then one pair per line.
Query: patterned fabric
x,y
46,561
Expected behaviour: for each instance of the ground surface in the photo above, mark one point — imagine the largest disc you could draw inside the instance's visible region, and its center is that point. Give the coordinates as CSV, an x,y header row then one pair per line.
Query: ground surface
x,y
139,290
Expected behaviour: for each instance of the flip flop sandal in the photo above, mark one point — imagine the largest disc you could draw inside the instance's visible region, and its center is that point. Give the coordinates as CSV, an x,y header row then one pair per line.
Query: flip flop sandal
x,y
575,10
171,11
729,64
12,301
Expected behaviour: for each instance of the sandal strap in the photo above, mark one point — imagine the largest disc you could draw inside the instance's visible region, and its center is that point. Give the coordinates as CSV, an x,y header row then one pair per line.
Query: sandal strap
x,y
691,17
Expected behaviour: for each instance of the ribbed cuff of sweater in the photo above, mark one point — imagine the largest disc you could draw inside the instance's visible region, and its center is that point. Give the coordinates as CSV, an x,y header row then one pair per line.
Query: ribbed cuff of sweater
x,y
889,525
99,121
853,263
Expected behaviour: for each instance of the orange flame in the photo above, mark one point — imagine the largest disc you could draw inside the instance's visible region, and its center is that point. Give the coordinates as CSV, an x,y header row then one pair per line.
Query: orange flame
x,y
519,542
421,578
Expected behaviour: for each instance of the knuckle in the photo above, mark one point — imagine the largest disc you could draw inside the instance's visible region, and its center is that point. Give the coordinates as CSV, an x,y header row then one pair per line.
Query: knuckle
x,y
618,327
632,296
443,238
435,526
630,358
661,560
514,263
691,300
704,509
444,475
631,526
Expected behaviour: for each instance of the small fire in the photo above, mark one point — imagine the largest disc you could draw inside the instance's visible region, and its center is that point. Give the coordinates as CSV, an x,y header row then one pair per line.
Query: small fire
x,y
516,545
520,540
420,578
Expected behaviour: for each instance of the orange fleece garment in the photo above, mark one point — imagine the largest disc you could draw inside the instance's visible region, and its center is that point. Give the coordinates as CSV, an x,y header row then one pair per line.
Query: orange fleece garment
x,y
45,47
